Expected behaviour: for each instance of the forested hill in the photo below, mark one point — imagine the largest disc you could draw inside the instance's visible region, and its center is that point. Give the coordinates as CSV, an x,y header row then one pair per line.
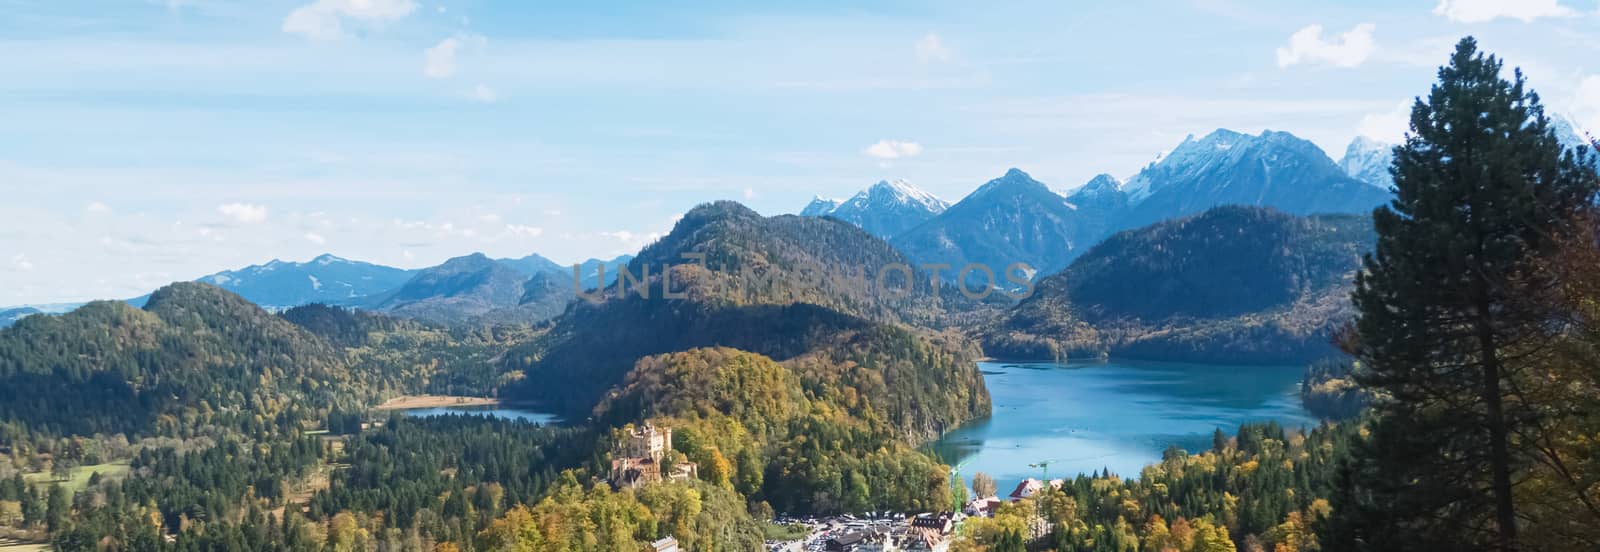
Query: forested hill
x,y
194,351
809,435
783,287
750,259
1233,284
197,355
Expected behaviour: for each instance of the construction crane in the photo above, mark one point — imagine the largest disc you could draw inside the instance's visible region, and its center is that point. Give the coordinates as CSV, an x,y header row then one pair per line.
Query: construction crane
x,y
1045,466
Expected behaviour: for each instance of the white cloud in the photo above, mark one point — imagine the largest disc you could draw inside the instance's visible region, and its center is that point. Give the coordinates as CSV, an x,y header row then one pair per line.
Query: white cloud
x,y
21,263
931,49
749,193
97,208
1479,11
439,61
323,19
315,238
524,231
244,213
1307,45
632,240
893,149
483,93
1387,126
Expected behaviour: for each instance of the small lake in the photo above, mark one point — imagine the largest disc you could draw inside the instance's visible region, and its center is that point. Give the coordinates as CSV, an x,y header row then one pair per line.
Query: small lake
x,y
509,413
1121,415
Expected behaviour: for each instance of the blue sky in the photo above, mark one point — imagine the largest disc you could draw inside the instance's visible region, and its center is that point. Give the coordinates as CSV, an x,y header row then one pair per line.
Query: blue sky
x,y
147,142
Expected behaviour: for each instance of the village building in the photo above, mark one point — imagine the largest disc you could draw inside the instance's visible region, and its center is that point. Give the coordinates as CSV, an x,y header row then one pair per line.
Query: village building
x,y
930,533
847,542
983,507
1030,486
668,544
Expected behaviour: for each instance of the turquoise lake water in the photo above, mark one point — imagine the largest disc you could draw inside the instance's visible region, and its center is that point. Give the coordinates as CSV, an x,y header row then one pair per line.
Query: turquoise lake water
x,y
1083,417
491,411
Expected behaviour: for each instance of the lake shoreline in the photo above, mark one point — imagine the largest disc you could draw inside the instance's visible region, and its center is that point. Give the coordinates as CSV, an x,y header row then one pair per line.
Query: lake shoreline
x,y
413,402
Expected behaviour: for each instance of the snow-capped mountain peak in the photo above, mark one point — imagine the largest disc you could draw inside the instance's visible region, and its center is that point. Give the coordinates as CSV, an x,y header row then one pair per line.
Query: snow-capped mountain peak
x,y
820,206
1569,132
1220,149
1368,160
1101,183
1274,169
899,192
883,209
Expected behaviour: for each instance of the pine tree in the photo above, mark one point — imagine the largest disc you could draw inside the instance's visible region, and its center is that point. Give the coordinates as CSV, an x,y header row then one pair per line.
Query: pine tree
x,y
58,508
1445,317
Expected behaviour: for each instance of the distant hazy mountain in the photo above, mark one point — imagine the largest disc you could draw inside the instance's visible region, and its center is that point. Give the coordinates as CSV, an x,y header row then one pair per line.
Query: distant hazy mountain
x,y
1008,220
1233,285
590,271
531,265
546,294
1275,169
12,315
885,209
475,287
1368,160
458,289
325,279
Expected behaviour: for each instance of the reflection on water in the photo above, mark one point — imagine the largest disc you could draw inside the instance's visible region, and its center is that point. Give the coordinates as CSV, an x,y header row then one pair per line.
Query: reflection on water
x,y
490,411
1118,415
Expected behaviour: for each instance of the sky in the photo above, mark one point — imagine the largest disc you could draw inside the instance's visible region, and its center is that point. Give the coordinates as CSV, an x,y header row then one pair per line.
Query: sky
x,y
145,142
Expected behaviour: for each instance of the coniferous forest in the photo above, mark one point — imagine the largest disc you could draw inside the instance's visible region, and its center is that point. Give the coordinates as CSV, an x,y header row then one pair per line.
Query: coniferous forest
x,y
1451,340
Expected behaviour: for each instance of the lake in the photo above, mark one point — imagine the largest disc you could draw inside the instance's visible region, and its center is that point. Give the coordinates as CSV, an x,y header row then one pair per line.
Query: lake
x,y
1121,415
508,413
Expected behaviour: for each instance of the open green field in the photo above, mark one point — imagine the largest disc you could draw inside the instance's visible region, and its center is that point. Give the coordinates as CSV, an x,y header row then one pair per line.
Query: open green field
x,y
779,532
80,478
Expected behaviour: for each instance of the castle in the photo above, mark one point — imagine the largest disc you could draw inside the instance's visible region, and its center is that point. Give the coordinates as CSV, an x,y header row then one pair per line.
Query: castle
x,y
639,459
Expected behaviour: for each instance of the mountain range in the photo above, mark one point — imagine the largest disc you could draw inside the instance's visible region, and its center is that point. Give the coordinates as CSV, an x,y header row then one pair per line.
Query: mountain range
x,y
1008,220
474,287
1274,169
324,279
1017,219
